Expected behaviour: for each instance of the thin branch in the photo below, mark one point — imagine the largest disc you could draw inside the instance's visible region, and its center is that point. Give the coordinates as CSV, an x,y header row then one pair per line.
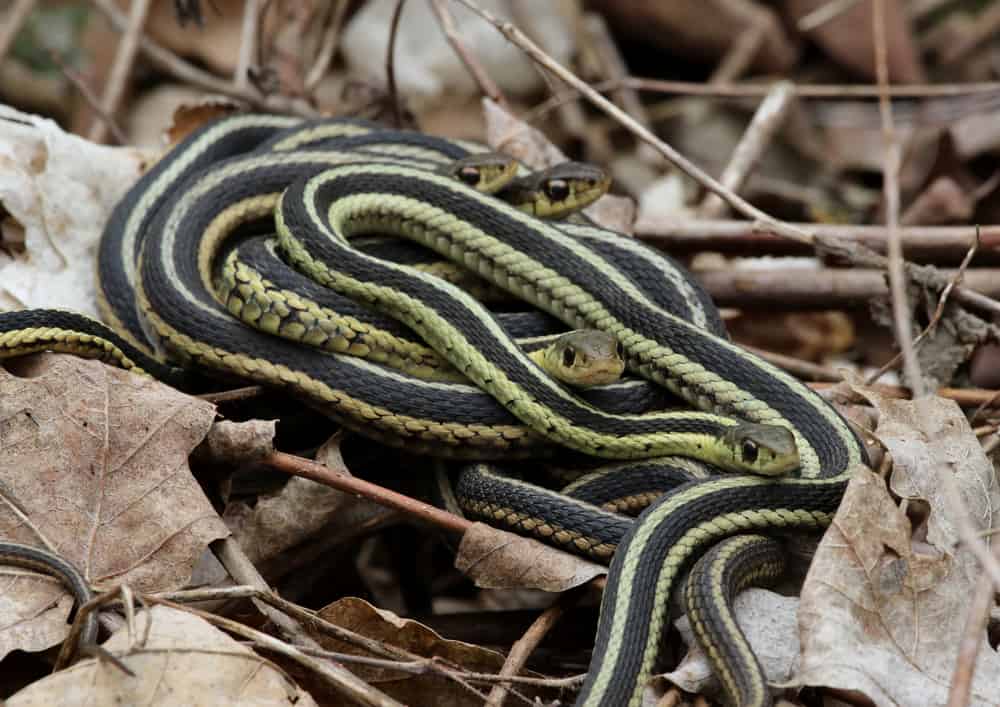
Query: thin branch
x,y
736,202
88,96
339,678
816,288
317,472
248,45
188,73
827,12
770,116
328,48
390,64
935,317
526,644
741,53
902,317
486,84
811,91
121,68
14,21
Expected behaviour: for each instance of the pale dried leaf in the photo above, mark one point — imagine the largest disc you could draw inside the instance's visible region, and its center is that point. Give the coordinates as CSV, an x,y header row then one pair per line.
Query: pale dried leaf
x,y
59,189
882,612
184,661
389,629
496,559
426,65
301,511
234,443
282,520
769,622
98,459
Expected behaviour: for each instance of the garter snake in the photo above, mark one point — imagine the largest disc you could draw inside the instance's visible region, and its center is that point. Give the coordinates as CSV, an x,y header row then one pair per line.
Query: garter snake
x,y
38,560
750,417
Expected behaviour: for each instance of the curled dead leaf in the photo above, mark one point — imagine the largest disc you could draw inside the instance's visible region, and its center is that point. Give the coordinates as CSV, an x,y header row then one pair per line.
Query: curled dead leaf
x,y
496,559
97,458
883,612
182,660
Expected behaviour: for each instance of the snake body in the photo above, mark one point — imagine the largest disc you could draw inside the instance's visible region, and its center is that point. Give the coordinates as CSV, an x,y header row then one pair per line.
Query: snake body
x,y
324,190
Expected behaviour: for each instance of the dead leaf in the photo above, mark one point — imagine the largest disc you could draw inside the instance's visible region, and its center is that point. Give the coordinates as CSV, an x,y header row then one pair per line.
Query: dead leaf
x,y
848,38
59,189
769,622
182,661
426,66
386,627
496,559
301,512
98,458
238,442
883,612
683,27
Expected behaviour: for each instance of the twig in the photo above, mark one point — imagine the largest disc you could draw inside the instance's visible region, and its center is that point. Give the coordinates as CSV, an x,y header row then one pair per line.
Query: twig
x,y
811,91
526,644
328,48
797,367
248,45
486,84
390,64
317,472
902,318
188,73
965,397
15,19
226,396
985,27
243,571
826,12
121,68
813,288
336,676
926,243
741,53
935,317
973,638
613,65
756,139
737,203
88,96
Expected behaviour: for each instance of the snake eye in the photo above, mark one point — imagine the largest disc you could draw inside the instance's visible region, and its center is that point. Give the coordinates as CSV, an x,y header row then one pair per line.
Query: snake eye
x,y
620,350
569,356
469,175
557,189
749,450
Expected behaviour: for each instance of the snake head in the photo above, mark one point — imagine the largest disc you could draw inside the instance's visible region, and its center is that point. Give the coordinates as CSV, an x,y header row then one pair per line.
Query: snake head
x,y
584,358
768,450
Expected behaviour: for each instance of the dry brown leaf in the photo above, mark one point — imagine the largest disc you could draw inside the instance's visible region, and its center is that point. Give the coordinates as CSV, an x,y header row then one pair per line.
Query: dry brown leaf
x,y
301,513
882,611
511,135
848,38
701,29
496,559
238,442
769,622
98,458
183,661
388,628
